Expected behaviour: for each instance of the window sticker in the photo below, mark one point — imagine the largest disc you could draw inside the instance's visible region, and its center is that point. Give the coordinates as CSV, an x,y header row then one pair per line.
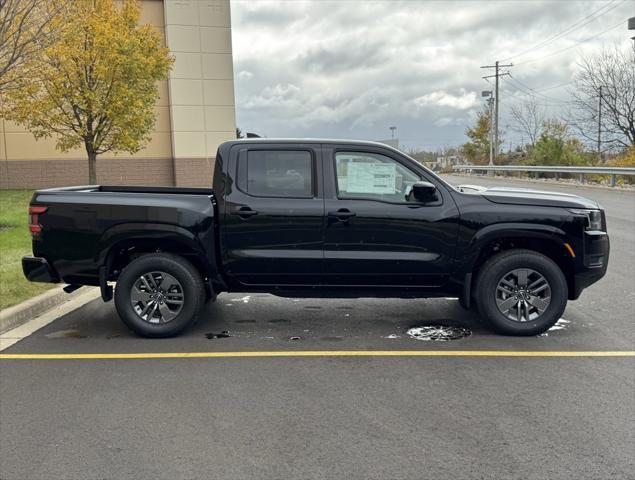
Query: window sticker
x,y
371,178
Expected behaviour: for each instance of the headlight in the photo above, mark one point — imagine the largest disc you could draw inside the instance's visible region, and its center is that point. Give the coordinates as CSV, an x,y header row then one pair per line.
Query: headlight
x,y
593,218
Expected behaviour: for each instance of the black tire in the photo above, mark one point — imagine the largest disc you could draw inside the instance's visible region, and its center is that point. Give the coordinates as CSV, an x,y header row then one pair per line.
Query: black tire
x,y
190,283
497,267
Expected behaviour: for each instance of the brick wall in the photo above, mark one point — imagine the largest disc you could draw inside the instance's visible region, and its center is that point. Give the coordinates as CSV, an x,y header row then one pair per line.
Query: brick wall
x,y
136,171
59,173
193,172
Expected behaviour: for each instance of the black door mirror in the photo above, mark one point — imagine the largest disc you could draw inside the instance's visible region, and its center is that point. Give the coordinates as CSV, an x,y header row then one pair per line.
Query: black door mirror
x,y
424,191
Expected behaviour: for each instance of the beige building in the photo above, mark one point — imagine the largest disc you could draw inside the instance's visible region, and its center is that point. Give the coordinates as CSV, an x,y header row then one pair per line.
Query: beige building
x,y
195,112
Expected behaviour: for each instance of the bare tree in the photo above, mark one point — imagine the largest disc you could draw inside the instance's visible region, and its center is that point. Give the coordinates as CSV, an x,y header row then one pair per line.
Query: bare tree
x,y
26,27
606,84
528,119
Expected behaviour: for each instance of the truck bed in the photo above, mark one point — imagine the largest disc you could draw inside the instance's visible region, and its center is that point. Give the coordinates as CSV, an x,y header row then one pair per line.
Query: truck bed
x,y
83,225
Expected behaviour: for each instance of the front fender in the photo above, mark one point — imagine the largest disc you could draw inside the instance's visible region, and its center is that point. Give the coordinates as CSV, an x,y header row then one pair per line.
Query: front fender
x,y
534,230
490,233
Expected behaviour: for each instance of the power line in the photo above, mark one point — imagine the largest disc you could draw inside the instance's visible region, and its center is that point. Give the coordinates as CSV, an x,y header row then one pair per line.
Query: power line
x,y
520,88
541,102
534,91
569,29
538,90
558,52
553,86
528,90
580,23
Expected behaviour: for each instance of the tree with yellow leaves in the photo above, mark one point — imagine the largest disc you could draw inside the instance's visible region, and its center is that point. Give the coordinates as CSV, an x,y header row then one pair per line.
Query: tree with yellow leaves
x,y
96,85
26,28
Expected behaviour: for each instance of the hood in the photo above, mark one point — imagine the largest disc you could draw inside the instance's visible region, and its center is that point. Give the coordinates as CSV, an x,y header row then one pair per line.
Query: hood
x,y
527,196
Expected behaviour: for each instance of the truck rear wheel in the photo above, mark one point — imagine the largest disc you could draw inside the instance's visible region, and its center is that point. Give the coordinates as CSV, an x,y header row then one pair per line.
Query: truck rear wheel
x,y
159,295
521,292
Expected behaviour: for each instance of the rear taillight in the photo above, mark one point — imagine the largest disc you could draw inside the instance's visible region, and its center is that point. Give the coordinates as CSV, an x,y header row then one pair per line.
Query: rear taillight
x,y
34,219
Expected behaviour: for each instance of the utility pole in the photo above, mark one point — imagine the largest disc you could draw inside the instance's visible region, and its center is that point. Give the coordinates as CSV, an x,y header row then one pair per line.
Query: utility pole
x,y
497,66
600,125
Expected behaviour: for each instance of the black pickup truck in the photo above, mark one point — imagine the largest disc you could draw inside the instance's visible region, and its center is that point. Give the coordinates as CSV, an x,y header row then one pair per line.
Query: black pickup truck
x,y
319,218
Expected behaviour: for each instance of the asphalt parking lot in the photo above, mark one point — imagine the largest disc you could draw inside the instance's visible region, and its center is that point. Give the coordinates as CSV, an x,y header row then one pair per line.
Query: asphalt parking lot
x,y
449,413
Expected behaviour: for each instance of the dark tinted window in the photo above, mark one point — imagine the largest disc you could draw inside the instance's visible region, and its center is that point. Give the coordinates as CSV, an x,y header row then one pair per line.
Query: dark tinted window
x,y
281,173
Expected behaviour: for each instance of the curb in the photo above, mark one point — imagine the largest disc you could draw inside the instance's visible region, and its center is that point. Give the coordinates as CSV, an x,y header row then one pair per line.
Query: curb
x,y
21,313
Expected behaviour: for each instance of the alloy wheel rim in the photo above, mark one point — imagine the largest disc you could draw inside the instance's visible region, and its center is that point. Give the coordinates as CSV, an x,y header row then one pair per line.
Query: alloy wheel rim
x,y
157,297
523,295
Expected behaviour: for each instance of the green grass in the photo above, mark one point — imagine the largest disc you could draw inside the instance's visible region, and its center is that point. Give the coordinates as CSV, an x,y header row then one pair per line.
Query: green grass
x,y
15,242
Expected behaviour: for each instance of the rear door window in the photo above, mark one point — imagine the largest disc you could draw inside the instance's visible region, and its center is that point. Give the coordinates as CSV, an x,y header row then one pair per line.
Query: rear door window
x,y
277,173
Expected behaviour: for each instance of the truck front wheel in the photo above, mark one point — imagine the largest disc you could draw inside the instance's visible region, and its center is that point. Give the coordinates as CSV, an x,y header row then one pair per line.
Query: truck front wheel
x,y
159,295
521,292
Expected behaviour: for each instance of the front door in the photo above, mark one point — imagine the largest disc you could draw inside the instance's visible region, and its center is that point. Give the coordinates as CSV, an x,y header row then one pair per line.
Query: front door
x,y
274,215
375,234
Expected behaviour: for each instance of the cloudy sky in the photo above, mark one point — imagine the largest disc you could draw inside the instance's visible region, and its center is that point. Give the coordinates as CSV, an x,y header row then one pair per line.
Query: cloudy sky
x,y
351,69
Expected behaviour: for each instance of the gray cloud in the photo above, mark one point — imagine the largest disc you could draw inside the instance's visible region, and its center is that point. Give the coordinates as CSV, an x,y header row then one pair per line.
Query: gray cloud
x,y
333,57
351,69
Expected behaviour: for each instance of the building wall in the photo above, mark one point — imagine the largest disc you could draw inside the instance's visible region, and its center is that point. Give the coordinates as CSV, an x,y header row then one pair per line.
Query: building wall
x,y
195,112
201,85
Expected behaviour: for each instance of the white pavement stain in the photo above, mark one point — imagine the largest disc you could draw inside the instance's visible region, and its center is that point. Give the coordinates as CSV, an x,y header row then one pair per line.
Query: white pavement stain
x,y
438,333
559,325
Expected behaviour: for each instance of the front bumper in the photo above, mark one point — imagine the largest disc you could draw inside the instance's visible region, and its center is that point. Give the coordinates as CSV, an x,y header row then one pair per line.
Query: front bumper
x,y
37,269
595,261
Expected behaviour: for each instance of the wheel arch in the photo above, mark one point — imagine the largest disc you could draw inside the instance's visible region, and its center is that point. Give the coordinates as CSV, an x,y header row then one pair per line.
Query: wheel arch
x,y
122,243
545,239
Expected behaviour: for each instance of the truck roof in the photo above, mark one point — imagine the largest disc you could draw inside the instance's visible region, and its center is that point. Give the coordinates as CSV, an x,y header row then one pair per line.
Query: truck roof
x,y
230,143
304,140
307,140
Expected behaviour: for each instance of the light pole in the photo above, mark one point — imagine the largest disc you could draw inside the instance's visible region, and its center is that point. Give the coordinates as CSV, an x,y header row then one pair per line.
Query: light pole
x,y
490,103
600,125
392,132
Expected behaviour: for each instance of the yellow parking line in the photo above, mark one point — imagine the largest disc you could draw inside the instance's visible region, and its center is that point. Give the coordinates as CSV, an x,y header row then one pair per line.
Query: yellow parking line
x,y
317,353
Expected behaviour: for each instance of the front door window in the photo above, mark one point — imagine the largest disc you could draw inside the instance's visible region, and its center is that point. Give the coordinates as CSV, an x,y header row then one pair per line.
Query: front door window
x,y
372,176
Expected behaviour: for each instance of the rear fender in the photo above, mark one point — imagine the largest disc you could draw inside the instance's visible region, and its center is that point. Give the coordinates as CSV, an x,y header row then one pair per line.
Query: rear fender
x,y
127,234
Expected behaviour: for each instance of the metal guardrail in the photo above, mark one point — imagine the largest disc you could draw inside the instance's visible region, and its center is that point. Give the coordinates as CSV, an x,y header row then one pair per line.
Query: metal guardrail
x,y
612,171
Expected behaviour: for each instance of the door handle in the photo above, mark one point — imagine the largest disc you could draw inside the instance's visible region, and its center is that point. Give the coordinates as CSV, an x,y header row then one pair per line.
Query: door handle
x,y
244,212
342,214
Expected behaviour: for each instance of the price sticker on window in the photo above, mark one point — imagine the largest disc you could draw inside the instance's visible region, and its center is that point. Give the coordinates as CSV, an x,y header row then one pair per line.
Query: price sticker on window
x,y
371,178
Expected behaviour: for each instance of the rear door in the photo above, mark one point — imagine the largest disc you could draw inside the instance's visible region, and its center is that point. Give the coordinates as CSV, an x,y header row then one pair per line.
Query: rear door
x,y
274,215
377,237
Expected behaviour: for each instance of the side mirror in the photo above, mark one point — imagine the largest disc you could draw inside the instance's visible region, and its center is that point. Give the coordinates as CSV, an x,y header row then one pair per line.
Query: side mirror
x,y
424,191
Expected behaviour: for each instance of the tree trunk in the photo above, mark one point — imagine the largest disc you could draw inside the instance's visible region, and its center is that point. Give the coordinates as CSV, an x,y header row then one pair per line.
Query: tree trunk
x,y
92,168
